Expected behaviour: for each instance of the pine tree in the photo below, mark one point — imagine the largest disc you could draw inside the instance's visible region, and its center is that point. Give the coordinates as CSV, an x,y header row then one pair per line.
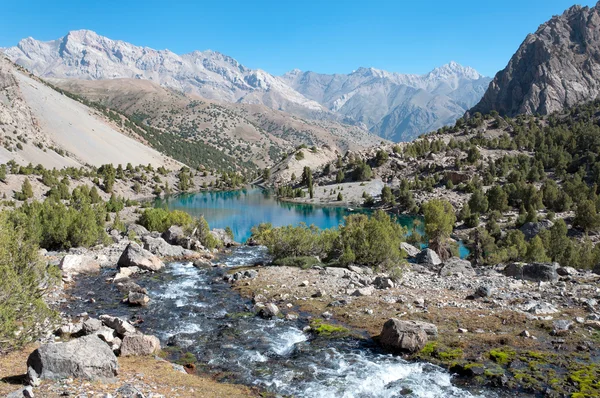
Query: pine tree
x,y
26,190
536,251
439,222
2,173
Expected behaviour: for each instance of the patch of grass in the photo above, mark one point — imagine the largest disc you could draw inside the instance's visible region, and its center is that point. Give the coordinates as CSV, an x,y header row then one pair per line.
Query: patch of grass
x,y
429,349
186,358
433,349
540,357
502,356
493,372
450,355
587,381
473,365
318,326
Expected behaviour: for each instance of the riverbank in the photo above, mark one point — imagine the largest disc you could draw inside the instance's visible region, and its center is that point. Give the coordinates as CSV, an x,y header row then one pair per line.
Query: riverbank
x,y
150,376
145,374
527,337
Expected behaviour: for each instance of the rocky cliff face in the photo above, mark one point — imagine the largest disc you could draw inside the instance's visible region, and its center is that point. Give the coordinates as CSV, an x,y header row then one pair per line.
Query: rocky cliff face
x,y
556,67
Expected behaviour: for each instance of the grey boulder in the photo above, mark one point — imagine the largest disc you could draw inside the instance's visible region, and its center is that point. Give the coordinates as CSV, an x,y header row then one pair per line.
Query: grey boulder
x,y
537,272
221,235
91,325
161,247
87,358
383,282
74,264
428,257
402,336
531,229
139,345
410,250
127,286
137,299
121,326
174,235
137,230
457,266
136,256
267,311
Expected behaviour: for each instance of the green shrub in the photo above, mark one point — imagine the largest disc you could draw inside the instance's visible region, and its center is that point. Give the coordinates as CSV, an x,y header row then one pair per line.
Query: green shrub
x,y
368,241
24,278
300,262
374,241
295,241
381,157
158,219
26,191
202,232
362,172
52,225
439,223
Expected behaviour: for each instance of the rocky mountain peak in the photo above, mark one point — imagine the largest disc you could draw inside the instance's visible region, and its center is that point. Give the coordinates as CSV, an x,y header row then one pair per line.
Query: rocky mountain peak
x,y
556,67
393,105
454,69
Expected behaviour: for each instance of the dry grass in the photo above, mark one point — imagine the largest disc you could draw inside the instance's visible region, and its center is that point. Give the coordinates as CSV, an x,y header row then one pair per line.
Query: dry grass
x,y
148,373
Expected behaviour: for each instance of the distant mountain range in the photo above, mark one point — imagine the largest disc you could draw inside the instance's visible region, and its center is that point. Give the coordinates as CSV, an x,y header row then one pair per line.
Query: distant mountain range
x,y
392,105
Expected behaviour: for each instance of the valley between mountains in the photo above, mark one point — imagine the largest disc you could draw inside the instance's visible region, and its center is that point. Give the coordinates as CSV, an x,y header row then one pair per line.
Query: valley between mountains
x,y
177,225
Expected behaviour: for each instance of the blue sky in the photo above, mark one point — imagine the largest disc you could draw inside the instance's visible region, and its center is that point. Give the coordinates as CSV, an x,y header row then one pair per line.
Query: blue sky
x,y
322,36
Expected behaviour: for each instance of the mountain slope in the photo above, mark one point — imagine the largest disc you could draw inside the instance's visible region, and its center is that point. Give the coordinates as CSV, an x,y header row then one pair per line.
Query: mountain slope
x,y
248,133
395,106
363,98
556,67
40,126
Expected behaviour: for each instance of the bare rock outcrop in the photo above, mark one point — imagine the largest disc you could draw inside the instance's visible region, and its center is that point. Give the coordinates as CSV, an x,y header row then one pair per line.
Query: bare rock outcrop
x,y
556,67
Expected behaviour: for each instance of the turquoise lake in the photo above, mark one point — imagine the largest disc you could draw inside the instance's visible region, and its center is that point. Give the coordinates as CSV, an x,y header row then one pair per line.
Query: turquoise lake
x,y
243,209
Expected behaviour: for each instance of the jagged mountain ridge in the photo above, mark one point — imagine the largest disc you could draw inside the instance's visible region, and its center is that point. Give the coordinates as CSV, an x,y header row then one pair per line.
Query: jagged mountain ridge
x,y
364,97
393,105
554,68
83,54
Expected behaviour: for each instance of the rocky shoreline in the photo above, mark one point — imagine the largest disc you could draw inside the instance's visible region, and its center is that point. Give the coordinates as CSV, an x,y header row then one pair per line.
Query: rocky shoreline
x,y
529,328
83,355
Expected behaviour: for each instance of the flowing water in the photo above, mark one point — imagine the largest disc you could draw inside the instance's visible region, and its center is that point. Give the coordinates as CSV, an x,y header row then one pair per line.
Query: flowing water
x,y
194,310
